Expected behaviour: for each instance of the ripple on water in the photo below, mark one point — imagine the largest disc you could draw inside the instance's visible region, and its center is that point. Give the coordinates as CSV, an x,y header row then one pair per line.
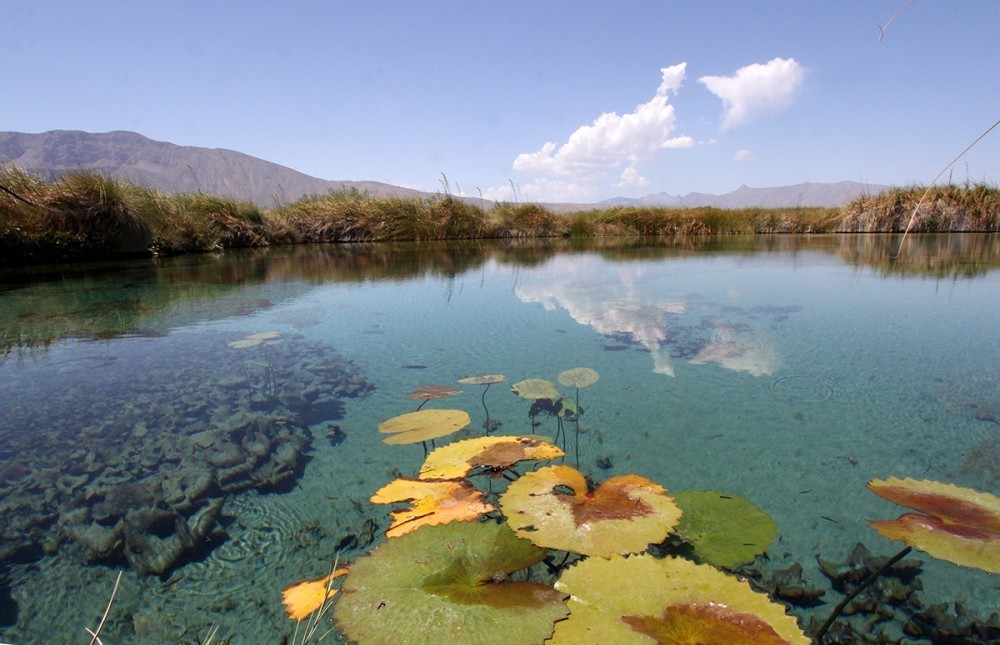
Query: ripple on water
x,y
804,389
260,539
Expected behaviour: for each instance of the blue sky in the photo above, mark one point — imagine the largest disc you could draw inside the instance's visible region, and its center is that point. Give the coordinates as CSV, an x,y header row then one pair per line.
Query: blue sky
x,y
564,101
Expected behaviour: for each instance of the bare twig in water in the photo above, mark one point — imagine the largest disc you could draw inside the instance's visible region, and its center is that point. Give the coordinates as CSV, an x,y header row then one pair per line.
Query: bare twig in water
x,y
861,587
96,633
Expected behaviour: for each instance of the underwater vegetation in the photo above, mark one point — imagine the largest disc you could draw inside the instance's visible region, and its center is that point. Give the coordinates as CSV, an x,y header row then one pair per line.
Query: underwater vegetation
x,y
551,555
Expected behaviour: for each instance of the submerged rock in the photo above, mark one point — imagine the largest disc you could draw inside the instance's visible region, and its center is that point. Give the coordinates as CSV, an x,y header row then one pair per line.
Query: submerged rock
x,y
135,462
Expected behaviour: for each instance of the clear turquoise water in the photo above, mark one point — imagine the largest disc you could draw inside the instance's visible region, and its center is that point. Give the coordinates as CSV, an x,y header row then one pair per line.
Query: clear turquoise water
x,y
790,373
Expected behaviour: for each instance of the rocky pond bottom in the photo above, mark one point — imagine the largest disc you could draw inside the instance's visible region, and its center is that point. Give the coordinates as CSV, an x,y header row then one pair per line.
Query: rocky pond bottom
x,y
129,462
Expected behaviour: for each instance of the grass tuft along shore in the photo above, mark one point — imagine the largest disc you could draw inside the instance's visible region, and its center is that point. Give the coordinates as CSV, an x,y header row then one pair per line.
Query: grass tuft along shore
x,y
87,215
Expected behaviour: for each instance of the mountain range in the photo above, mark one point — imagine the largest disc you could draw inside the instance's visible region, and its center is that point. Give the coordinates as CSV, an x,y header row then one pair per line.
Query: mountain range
x,y
188,169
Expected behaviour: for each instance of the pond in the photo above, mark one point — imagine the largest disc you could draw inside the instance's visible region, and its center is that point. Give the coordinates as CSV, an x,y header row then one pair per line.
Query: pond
x,y
209,423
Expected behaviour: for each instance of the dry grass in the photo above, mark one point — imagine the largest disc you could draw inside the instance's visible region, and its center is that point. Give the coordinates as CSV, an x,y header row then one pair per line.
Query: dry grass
x,y
972,207
88,215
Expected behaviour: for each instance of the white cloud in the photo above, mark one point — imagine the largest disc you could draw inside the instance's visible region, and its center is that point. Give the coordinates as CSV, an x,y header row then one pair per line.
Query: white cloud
x,y
555,190
631,179
502,193
756,90
744,155
594,150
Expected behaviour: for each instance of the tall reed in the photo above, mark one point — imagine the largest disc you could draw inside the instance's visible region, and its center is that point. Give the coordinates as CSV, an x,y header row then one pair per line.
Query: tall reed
x,y
89,215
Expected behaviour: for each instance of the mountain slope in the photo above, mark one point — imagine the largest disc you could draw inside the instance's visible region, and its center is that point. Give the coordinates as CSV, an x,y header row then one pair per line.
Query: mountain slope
x,y
805,194
172,168
189,169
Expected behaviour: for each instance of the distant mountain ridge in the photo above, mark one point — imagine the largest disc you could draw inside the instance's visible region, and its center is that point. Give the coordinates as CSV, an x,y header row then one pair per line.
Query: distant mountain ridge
x,y
828,195
189,169
173,168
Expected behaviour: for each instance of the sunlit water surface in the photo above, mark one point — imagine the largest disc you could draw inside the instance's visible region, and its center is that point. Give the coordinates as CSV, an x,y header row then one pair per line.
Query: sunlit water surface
x,y
787,370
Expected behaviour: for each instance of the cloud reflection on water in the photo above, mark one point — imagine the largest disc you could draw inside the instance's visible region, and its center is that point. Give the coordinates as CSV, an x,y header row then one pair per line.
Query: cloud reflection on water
x,y
623,303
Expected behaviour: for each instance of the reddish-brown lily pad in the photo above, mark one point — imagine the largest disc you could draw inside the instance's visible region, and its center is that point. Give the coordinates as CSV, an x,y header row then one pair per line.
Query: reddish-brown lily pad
x,y
957,524
427,392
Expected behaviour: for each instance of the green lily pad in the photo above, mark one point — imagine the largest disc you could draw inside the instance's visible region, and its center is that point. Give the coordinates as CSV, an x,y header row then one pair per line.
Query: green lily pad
x,y
579,377
567,408
724,530
448,584
536,388
486,379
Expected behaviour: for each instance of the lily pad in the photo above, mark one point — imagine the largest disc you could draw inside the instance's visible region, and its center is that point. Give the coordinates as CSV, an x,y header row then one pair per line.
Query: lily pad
x,y
265,335
423,425
245,343
427,392
536,388
724,530
486,379
307,597
434,502
496,453
578,377
554,508
957,524
448,584
670,600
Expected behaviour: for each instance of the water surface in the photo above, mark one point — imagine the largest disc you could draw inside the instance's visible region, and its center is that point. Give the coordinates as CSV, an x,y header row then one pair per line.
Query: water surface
x,y
789,370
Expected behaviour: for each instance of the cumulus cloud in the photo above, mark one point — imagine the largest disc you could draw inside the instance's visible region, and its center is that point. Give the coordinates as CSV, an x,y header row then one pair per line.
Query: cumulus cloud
x,y
555,190
756,90
744,155
631,179
502,193
594,150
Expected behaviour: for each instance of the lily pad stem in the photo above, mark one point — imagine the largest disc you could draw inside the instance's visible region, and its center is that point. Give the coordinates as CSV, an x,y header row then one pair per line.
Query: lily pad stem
x,y
576,418
864,585
485,390
559,431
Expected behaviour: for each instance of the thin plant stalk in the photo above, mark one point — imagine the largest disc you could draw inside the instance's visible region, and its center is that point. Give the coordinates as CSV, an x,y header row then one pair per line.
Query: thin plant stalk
x,y
559,431
576,419
313,623
864,585
927,192
95,635
483,399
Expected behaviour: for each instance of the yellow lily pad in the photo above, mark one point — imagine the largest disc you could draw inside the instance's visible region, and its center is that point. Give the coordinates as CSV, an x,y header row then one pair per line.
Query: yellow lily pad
x,y
434,502
245,342
496,453
264,335
554,508
423,425
307,597
670,600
